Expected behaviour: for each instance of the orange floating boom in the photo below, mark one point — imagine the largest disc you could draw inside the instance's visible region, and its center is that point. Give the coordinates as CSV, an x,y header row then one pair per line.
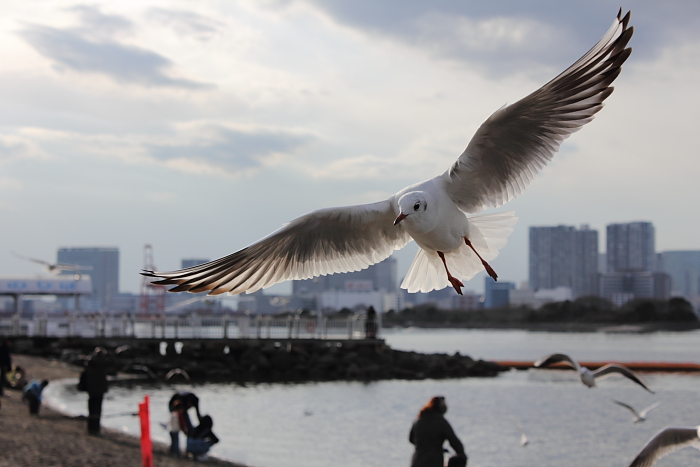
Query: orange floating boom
x,y
636,366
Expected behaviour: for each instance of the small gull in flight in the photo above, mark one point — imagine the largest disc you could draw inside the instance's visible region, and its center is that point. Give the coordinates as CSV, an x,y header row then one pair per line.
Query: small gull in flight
x,y
523,438
665,442
587,376
500,161
638,416
55,268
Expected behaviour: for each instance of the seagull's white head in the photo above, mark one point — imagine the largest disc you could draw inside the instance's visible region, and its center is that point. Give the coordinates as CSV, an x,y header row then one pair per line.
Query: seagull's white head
x,y
415,211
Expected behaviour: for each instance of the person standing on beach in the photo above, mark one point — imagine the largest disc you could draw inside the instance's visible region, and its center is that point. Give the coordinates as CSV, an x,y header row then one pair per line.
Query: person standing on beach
x,y
176,423
188,400
429,432
371,323
95,379
5,364
32,394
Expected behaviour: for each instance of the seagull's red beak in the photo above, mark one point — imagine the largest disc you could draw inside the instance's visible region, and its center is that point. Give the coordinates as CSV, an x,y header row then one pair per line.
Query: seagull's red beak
x,y
400,217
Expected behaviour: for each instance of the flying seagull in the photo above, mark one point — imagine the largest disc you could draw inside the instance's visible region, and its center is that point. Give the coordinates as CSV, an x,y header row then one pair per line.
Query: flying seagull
x,y
665,442
500,161
144,369
638,416
587,376
177,371
523,438
55,268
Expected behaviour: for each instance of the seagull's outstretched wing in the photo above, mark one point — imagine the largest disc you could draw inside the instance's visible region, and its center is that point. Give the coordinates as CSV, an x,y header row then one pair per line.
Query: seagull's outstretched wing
x,y
614,368
322,242
557,358
523,437
666,441
177,371
33,260
644,412
628,407
515,142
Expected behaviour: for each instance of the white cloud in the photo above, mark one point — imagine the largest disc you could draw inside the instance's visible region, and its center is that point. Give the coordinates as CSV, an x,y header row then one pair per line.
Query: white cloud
x,y
13,147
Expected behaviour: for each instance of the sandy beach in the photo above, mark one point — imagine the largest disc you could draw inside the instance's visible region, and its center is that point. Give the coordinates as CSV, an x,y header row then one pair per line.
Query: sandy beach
x,y
53,439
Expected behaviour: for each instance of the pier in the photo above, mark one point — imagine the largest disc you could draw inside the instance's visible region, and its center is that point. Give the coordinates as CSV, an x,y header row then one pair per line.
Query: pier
x,y
221,327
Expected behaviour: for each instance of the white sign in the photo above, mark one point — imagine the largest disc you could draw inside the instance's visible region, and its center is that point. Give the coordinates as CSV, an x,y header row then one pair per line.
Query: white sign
x,y
46,286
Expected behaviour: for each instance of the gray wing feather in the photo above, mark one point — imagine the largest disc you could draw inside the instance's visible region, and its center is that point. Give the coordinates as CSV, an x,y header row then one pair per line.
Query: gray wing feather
x,y
628,407
613,368
557,358
322,242
665,442
514,143
644,412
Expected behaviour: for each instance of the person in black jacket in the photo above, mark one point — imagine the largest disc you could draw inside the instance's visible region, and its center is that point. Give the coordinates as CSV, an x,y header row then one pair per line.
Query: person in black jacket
x,y
95,380
201,438
5,364
429,432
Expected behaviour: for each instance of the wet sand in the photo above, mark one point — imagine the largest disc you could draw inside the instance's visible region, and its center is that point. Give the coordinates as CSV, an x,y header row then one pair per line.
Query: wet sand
x,y
53,439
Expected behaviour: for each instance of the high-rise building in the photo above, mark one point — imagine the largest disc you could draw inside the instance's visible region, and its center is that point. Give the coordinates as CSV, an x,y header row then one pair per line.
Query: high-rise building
x,y
684,269
496,294
630,247
562,256
103,264
585,278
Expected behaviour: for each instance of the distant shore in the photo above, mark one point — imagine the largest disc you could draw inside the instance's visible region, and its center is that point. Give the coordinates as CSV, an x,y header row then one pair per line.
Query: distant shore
x,y
55,439
560,327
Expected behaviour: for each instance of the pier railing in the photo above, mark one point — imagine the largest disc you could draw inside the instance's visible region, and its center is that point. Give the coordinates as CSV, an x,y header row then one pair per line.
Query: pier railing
x,y
185,327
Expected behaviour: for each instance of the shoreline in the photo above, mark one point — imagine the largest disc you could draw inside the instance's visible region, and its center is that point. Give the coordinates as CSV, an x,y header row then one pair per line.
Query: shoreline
x,y
642,328
57,439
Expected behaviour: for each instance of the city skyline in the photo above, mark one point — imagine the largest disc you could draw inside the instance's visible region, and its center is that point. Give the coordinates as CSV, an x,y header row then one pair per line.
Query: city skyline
x,y
154,122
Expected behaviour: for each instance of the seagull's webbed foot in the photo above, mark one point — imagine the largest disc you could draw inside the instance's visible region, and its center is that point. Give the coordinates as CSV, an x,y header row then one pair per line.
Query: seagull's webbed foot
x,y
487,266
456,283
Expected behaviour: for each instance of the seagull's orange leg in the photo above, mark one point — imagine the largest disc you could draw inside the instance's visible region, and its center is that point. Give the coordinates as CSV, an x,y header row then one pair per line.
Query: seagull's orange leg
x,y
456,283
487,266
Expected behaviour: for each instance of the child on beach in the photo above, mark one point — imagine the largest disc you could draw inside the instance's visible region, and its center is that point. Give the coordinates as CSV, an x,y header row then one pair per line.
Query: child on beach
x,y
201,439
176,423
32,394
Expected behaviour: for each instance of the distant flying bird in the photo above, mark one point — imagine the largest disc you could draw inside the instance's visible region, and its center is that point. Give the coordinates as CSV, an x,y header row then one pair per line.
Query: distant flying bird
x,y
55,268
144,369
177,371
523,438
587,376
665,442
638,416
500,161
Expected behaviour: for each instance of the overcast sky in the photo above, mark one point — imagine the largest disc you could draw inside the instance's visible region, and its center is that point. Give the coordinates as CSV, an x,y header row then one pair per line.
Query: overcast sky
x,y
200,127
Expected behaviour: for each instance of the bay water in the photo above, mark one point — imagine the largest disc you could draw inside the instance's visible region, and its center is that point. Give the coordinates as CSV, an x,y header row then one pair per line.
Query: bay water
x,y
357,424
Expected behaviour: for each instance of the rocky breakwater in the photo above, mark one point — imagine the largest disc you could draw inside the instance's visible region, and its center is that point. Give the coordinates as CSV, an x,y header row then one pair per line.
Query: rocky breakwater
x,y
261,361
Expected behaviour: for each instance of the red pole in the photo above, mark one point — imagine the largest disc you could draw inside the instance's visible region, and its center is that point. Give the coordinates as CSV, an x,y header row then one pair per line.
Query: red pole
x,y
146,448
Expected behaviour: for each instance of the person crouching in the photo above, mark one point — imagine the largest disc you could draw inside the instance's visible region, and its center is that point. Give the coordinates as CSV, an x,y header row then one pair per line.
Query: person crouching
x,y
201,439
32,394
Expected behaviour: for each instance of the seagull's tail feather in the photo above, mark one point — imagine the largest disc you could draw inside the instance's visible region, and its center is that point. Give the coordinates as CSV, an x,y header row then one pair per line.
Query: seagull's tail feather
x,y
426,273
488,233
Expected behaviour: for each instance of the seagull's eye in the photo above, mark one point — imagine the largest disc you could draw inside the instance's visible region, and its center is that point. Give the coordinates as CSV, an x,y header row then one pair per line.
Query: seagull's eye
x,y
416,206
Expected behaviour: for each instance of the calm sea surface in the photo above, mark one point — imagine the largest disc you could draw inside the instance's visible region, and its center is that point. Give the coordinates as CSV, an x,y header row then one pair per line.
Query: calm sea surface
x,y
366,425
